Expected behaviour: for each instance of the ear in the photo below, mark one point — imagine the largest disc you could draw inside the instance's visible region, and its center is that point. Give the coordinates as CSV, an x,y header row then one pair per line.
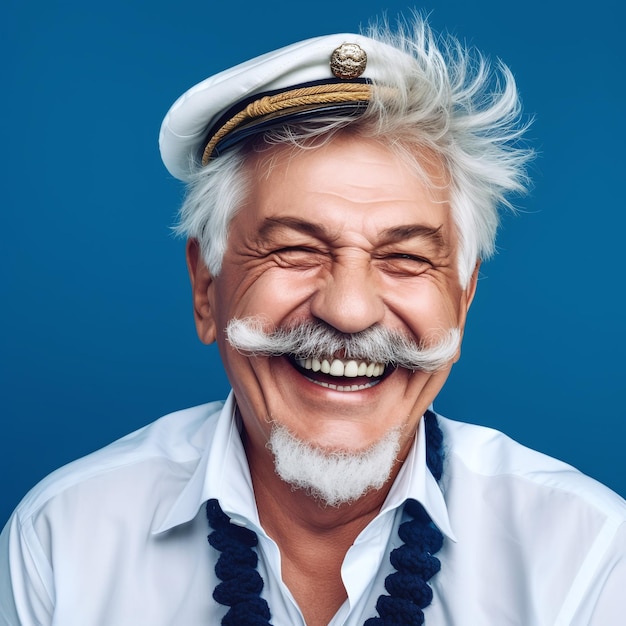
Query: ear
x,y
202,286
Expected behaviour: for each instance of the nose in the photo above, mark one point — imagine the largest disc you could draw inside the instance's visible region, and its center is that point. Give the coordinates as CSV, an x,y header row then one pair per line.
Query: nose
x,y
349,298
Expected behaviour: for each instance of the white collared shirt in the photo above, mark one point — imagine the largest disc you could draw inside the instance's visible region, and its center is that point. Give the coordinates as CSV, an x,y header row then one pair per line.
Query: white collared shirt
x,y
118,538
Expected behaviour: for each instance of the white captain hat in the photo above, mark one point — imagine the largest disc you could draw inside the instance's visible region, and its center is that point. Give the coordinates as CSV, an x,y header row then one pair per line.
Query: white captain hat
x,y
329,74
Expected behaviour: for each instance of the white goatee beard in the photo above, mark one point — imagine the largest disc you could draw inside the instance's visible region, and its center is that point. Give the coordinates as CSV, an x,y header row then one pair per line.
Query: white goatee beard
x,y
333,477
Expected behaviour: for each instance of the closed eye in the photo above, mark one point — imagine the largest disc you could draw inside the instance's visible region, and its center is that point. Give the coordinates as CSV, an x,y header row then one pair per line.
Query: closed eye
x,y
403,263
408,257
298,256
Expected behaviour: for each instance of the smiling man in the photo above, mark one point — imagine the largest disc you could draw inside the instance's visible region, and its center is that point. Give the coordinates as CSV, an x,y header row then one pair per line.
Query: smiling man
x,y
342,193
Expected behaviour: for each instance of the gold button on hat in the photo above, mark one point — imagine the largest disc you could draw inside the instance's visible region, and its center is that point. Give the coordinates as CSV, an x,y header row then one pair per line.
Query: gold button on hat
x,y
348,61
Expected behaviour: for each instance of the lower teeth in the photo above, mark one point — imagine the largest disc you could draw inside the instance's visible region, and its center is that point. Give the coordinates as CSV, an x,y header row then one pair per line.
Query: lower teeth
x,y
343,387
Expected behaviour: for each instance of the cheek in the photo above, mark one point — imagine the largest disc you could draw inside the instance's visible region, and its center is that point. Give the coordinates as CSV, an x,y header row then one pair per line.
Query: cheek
x,y
426,305
274,294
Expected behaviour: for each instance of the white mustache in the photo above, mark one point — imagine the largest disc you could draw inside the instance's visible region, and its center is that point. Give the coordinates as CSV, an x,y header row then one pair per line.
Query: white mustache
x,y
376,344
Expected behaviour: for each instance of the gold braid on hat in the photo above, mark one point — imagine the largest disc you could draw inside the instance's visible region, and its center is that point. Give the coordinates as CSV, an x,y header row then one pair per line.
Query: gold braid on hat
x,y
333,93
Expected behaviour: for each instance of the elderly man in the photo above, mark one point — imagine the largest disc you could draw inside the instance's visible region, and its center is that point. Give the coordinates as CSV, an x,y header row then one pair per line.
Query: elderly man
x,y
342,193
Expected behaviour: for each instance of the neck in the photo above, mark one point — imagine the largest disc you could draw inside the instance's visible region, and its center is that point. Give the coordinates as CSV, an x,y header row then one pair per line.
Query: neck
x,y
313,538
313,541
280,504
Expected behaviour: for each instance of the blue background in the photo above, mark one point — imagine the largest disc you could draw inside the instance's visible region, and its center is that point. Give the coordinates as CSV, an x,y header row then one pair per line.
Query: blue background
x,y
97,336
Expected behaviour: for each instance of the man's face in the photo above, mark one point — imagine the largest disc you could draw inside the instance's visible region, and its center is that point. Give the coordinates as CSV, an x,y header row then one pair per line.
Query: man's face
x,y
348,235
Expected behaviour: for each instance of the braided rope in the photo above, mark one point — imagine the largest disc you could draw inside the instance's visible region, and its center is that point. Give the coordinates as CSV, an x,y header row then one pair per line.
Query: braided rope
x,y
303,96
408,588
414,561
241,584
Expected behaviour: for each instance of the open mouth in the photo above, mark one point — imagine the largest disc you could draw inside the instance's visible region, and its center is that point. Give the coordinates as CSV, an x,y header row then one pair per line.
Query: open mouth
x,y
340,374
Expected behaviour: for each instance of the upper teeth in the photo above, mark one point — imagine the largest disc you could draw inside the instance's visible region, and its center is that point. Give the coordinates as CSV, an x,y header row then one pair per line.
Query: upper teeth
x,y
338,367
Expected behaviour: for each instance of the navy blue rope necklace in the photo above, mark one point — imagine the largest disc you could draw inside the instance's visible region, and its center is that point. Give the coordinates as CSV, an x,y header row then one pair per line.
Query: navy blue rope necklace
x,y
408,588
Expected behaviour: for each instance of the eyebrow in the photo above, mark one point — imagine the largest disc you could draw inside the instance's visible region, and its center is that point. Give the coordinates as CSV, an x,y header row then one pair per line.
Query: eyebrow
x,y
271,224
395,234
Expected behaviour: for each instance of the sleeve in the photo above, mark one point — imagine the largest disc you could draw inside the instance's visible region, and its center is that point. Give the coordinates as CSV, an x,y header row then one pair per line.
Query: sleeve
x,y
26,587
597,596
610,607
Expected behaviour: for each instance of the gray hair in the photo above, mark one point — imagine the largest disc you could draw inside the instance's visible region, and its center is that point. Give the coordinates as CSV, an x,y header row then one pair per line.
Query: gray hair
x,y
445,100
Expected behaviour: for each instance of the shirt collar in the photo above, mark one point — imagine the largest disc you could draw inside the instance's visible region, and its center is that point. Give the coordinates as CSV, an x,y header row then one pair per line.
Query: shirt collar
x,y
415,481
223,473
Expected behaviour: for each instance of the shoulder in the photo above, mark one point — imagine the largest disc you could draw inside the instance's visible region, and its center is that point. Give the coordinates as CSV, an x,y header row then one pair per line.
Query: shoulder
x,y
173,442
83,516
550,535
492,456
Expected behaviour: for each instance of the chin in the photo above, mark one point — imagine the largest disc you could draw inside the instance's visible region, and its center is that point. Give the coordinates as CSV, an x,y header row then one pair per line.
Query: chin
x,y
333,476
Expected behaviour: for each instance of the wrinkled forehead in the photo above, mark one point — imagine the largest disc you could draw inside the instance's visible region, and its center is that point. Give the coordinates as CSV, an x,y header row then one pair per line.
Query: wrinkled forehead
x,y
265,153
349,180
